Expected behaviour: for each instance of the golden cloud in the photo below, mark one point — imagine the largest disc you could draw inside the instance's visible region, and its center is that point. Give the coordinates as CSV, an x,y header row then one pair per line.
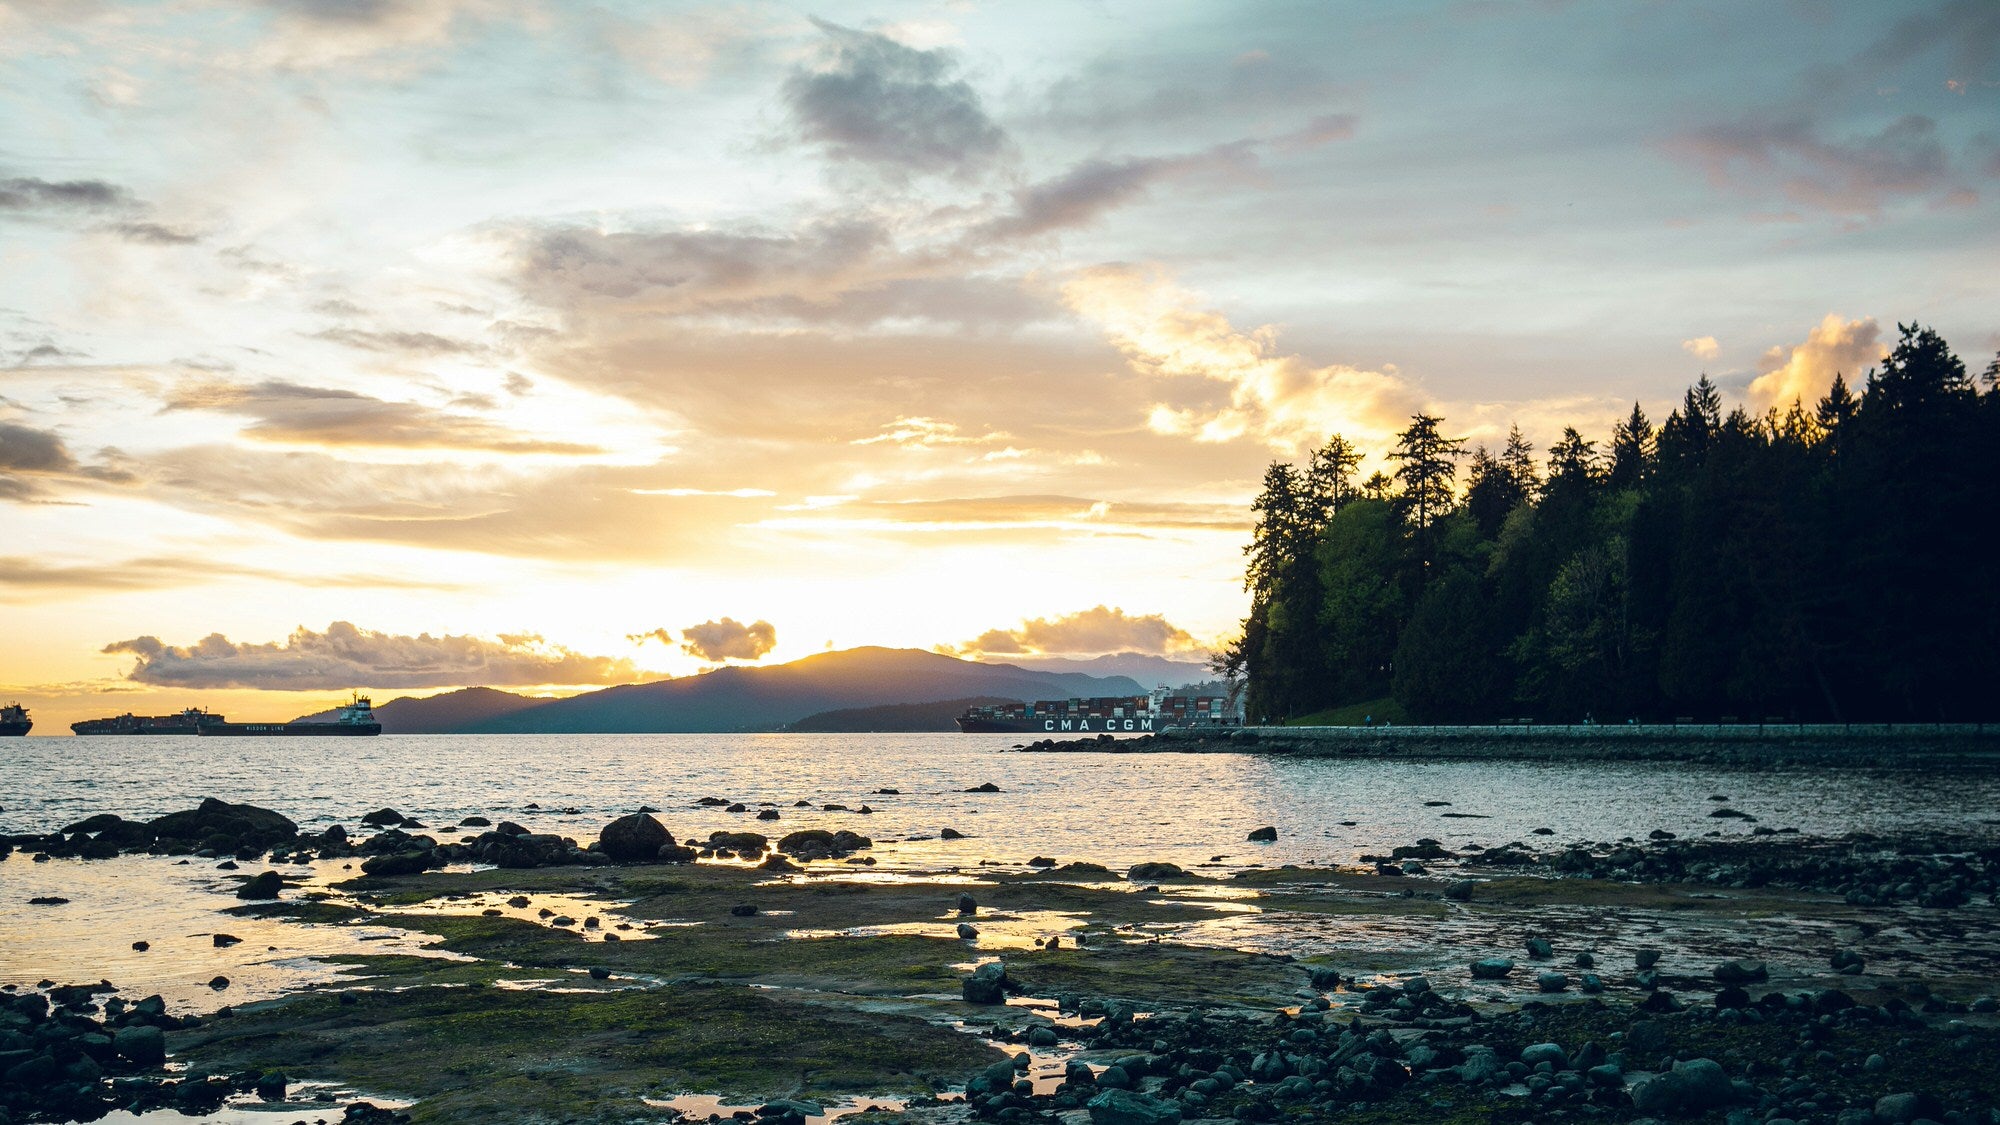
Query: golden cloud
x,y
1805,371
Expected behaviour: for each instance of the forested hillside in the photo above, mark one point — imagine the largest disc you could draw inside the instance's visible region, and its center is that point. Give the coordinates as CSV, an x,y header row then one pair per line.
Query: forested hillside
x,y
1833,561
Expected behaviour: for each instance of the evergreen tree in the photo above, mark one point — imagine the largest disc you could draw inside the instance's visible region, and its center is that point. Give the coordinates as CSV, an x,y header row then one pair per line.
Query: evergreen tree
x,y
1631,450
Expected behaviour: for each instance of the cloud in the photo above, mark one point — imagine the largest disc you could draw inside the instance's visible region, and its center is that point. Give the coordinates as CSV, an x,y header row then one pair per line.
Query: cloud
x,y
874,101
729,639
27,194
1852,177
1321,130
31,459
384,37
1701,347
292,412
347,657
1085,192
1278,399
1090,632
1805,371
663,636
421,343
154,234
24,573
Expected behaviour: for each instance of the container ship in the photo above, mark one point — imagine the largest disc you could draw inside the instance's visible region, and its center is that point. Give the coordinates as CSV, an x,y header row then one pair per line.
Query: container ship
x,y
356,718
1136,714
14,721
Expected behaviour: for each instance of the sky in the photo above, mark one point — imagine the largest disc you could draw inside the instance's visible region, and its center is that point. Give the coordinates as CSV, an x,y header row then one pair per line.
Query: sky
x,y
401,346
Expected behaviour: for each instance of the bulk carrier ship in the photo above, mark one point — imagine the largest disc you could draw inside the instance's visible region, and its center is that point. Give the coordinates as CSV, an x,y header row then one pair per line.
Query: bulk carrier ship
x,y
1135,714
356,718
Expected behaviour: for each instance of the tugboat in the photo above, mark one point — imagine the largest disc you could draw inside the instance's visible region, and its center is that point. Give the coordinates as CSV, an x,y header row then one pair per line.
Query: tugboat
x,y
356,718
14,720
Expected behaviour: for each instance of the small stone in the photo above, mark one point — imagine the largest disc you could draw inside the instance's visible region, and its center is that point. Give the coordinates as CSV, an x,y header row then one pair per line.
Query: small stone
x,y
1552,981
967,931
1540,949
1492,968
1264,835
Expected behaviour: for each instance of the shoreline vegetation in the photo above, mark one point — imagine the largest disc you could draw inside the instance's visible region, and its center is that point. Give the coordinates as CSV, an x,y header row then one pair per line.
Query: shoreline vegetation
x,y
1823,562
1742,978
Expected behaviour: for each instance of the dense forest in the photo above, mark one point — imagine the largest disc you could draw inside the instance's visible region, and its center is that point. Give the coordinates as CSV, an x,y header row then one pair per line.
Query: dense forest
x,y
1829,562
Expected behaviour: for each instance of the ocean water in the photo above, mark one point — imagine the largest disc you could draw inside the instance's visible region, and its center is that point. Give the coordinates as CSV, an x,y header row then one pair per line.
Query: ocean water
x,y
1114,809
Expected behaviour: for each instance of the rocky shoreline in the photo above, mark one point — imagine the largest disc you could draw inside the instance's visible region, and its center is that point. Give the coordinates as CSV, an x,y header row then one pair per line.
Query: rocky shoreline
x,y
1768,978
1910,746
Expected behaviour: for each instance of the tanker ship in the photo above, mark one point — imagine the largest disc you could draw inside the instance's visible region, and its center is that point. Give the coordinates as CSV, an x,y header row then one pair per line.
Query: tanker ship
x,y
1135,714
356,718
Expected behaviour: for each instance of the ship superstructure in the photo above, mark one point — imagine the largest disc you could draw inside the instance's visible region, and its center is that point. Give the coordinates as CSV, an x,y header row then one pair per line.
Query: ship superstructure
x,y
14,721
1119,714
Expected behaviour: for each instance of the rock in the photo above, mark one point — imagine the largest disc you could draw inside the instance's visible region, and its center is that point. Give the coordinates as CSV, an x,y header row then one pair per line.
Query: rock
x,y
1459,890
271,1085
1264,835
1847,961
1692,1086
142,946
767,814
1539,949
599,972
1741,972
1551,981
219,983
1153,872
396,863
1646,958
141,1045
671,852
1902,1108
224,941
986,985
984,787
1481,1064
1042,1035
266,885
749,843
951,834
475,822
245,826
743,910
1536,1054
1129,1107
384,818
633,839
967,931
1492,968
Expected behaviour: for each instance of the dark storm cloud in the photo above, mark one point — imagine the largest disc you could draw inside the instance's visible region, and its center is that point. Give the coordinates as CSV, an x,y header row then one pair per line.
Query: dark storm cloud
x,y
345,656
1852,176
729,639
875,101
27,194
293,412
419,343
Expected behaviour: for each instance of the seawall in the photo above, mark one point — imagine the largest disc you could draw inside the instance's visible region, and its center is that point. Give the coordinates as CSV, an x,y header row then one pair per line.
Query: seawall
x,y
1898,745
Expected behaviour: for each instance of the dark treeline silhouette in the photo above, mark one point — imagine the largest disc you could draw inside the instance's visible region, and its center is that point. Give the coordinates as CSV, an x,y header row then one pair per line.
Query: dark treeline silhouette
x,y
1829,562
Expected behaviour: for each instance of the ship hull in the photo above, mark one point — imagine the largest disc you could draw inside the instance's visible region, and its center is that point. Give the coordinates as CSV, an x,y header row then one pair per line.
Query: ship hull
x,y
1072,724
15,730
292,730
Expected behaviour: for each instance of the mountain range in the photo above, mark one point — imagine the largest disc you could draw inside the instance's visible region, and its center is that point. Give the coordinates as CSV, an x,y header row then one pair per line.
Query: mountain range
x,y
743,698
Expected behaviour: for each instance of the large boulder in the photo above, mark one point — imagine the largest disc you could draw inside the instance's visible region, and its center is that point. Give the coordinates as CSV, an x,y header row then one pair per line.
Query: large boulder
x,y
1129,1107
266,885
1692,1086
634,839
248,825
986,985
141,1045
396,863
1154,872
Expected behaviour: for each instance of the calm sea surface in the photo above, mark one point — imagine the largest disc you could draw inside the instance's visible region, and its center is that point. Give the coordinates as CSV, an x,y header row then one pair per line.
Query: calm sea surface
x,y
1107,808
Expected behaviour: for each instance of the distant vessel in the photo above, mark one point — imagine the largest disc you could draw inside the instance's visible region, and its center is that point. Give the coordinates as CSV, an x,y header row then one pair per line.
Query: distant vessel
x,y
189,721
356,718
14,720
1136,714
